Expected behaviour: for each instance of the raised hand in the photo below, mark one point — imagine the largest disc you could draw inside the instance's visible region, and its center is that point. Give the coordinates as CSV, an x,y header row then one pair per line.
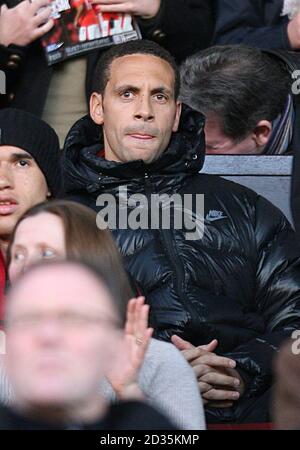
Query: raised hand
x,y
124,375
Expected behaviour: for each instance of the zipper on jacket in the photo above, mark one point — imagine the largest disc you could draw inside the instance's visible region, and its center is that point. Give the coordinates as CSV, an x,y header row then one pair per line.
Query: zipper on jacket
x,y
172,255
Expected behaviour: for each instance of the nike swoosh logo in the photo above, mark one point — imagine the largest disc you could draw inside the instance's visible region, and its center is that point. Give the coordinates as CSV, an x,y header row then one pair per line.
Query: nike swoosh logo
x,y
213,219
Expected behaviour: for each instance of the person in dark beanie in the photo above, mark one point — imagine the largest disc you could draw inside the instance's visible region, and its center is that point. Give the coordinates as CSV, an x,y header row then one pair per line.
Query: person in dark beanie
x,y
30,170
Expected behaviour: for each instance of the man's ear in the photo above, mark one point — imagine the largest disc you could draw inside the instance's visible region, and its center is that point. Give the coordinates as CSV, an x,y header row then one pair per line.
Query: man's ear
x,y
262,133
177,116
96,108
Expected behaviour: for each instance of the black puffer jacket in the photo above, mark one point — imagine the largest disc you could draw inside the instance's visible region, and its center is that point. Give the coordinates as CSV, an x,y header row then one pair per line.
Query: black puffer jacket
x,y
237,284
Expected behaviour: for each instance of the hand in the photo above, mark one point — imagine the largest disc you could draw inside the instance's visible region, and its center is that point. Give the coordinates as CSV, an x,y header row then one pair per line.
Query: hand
x,y
25,23
79,12
219,383
143,8
293,32
124,375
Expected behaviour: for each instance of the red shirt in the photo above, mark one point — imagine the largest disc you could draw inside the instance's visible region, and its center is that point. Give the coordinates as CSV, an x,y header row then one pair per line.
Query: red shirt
x,y
2,285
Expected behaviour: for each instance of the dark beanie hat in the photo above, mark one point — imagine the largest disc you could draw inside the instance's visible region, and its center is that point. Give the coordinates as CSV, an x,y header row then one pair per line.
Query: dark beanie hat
x,y
26,131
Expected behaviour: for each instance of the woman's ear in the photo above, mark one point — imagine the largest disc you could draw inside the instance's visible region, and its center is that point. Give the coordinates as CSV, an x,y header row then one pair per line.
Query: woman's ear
x,y
96,108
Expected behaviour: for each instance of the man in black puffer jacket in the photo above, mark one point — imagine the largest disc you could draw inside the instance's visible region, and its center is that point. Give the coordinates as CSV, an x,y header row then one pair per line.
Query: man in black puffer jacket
x,y
239,282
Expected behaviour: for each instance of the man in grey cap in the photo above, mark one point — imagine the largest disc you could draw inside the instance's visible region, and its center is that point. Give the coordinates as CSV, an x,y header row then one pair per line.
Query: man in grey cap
x,y
30,168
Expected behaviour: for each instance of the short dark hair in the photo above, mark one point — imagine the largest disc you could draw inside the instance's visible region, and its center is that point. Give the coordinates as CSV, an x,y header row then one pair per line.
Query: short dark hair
x,y
240,84
142,47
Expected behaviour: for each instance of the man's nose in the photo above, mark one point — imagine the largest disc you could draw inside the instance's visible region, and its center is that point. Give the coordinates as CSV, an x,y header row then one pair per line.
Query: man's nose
x,y
29,260
26,263
144,109
48,331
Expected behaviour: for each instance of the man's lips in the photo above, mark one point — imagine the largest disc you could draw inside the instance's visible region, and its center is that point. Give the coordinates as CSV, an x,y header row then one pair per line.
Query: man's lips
x,y
143,137
7,207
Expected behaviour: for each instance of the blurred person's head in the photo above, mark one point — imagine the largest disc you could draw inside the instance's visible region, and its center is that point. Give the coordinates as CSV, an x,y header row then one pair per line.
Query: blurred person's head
x,y
135,98
241,91
62,328
30,167
62,229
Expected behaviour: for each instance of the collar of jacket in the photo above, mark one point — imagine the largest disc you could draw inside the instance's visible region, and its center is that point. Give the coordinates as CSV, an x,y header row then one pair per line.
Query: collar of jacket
x,y
85,171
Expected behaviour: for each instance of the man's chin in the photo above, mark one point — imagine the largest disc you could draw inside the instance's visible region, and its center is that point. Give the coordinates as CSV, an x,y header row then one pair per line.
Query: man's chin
x,y
52,396
148,156
7,224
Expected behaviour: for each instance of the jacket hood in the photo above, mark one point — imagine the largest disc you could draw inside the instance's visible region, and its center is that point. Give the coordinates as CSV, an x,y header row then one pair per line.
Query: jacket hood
x,y
85,170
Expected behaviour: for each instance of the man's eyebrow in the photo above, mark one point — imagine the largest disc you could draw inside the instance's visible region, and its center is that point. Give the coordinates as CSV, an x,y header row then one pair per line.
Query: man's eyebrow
x,y
126,87
16,156
17,246
157,90
162,90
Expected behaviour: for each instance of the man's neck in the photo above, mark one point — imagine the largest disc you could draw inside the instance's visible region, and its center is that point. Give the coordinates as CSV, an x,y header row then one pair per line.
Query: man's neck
x,y
109,155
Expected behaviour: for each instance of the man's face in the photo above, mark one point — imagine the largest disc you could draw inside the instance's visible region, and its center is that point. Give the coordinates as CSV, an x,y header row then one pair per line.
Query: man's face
x,y
60,337
22,185
138,110
218,143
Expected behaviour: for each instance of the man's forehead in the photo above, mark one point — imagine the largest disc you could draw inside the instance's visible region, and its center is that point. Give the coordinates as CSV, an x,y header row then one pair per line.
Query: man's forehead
x,y
10,150
138,65
59,285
